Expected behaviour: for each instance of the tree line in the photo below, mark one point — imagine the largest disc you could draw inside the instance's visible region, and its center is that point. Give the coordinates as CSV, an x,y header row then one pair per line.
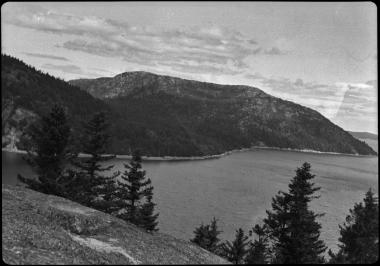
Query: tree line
x,y
53,153
290,233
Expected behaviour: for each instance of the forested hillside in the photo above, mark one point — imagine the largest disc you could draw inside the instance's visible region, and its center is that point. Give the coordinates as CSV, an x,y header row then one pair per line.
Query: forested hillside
x,y
165,115
27,93
162,115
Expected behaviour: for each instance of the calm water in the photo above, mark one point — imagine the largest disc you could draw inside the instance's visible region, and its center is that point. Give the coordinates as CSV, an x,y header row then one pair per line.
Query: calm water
x,y
237,189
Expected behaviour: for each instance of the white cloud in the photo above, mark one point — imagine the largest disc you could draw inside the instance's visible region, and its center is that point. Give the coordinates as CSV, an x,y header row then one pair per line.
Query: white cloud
x,y
47,56
339,102
210,48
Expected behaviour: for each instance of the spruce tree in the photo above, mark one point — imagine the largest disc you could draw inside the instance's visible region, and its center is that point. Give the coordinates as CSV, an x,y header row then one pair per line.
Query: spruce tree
x,y
258,250
147,216
359,235
89,186
206,236
236,251
292,227
48,152
134,194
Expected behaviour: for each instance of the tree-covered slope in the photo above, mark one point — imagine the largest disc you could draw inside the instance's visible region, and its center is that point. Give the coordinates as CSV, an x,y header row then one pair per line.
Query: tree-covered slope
x,y
27,93
164,115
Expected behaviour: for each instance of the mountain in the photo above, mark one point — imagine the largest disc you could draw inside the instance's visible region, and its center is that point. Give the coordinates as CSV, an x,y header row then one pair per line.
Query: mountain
x,y
42,229
368,138
27,93
164,115
168,116
363,135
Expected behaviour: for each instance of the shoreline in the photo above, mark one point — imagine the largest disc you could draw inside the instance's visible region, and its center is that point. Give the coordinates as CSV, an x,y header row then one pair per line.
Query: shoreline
x,y
208,157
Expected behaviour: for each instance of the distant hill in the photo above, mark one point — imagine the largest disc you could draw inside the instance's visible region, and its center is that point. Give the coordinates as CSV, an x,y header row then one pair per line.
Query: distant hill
x,y
363,135
165,115
369,138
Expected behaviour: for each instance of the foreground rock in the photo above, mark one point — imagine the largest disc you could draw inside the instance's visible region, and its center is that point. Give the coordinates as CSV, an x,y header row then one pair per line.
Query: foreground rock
x,y
44,229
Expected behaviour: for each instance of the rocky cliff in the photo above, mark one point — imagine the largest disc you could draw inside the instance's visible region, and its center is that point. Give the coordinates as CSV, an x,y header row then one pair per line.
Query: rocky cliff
x,y
44,229
14,121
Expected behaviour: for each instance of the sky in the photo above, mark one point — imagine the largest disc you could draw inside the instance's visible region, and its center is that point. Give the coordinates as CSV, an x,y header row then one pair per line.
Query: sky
x,y
321,55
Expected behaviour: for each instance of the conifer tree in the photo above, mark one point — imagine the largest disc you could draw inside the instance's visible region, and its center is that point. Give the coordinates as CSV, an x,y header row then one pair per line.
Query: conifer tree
x,y
292,227
359,236
236,251
89,186
135,195
257,252
48,152
206,236
147,216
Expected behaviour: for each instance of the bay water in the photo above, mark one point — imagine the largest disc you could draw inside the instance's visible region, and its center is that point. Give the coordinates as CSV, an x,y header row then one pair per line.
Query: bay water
x,y
238,188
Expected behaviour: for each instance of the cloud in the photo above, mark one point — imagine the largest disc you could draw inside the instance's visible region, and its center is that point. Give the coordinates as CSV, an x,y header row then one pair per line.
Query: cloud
x,y
255,76
358,109
274,51
103,70
41,19
73,69
195,49
339,102
69,69
47,56
372,83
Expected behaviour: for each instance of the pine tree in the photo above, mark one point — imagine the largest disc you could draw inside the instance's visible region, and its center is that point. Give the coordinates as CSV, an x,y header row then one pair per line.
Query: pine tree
x,y
206,236
360,234
236,251
48,152
292,227
147,216
257,253
135,195
89,186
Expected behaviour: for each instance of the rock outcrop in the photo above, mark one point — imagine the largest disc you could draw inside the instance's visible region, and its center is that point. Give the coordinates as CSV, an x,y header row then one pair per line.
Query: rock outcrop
x,y
14,123
45,229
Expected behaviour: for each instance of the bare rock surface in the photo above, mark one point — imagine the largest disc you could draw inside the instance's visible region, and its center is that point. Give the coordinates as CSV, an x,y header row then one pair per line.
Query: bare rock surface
x,y
45,229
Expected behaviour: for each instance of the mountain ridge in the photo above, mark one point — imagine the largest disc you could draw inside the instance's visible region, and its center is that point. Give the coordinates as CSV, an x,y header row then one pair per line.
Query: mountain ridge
x,y
142,79
168,116
122,88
